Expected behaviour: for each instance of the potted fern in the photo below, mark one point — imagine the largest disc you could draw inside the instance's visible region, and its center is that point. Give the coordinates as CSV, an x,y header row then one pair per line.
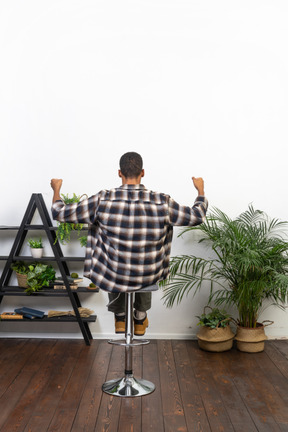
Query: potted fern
x,y
249,270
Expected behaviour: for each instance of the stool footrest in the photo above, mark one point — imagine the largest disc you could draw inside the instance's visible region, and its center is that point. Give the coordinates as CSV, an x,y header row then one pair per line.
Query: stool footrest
x,y
134,342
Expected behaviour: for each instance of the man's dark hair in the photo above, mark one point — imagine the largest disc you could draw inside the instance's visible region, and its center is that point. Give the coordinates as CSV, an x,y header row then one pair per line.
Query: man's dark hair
x,y
131,164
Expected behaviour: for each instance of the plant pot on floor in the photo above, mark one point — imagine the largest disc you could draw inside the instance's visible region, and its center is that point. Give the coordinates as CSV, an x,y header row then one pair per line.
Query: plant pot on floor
x,y
251,340
215,340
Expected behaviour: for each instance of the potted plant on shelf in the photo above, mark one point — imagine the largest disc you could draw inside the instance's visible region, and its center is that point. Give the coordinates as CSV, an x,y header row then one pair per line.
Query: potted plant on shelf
x,y
33,277
64,229
215,333
21,269
36,247
248,270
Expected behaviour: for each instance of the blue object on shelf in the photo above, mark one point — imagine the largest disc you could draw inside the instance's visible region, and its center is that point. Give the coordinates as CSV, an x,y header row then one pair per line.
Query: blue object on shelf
x,y
29,312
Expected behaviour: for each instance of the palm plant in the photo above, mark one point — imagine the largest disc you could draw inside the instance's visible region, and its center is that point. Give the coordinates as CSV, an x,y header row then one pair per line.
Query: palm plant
x,y
248,271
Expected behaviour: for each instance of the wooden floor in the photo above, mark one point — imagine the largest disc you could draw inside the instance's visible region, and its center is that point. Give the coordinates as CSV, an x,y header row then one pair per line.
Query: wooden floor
x,y
55,385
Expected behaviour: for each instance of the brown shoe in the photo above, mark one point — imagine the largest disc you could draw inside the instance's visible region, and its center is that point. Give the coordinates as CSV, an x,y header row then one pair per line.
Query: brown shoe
x,y
119,324
140,326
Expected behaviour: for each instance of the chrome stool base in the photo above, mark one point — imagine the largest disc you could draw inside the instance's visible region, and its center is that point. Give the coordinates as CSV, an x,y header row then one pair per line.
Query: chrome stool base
x,y
132,343
128,386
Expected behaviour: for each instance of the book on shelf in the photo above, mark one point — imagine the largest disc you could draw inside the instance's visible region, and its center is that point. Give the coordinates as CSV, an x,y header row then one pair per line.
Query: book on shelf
x,y
71,280
29,312
10,315
63,287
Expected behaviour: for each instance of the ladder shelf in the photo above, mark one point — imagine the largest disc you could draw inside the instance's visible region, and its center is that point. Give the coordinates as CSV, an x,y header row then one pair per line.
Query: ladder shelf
x,y
37,203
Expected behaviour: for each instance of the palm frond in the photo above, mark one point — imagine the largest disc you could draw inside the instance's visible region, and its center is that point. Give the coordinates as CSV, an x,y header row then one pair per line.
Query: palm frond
x,y
250,264
181,286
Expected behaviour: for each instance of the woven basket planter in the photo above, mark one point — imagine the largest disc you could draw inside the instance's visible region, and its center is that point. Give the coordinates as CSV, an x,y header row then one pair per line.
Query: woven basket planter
x,y
22,280
215,340
251,340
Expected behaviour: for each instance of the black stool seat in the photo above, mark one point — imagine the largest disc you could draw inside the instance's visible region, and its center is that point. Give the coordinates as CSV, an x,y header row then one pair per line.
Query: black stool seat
x,y
128,385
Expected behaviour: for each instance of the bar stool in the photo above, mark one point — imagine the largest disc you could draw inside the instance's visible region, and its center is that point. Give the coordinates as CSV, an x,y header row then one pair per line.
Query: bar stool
x,y
128,385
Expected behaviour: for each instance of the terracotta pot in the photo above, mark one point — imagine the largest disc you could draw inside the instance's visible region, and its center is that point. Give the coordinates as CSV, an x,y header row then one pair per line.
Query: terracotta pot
x,y
215,340
251,340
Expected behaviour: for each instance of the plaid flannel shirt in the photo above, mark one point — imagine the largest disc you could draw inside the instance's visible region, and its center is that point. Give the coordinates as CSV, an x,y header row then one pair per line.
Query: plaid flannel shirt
x,y
130,234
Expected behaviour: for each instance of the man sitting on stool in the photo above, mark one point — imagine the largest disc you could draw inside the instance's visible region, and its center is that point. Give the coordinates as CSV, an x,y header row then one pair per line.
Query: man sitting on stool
x,y
130,235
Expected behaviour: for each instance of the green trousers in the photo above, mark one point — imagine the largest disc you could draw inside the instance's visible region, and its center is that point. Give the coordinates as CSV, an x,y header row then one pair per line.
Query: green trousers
x,y
142,302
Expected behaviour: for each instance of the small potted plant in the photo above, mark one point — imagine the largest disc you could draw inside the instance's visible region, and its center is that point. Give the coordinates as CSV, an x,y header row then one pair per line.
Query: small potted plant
x,y
21,269
215,333
36,247
33,276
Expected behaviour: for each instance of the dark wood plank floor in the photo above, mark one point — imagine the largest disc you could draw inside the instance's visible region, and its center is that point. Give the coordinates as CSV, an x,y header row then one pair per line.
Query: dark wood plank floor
x,y
55,385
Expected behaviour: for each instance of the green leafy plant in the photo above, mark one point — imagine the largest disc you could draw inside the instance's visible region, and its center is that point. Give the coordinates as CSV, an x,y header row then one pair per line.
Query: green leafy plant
x,y
83,241
74,199
64,229
20,267
214,319
38,275
35,244
249,270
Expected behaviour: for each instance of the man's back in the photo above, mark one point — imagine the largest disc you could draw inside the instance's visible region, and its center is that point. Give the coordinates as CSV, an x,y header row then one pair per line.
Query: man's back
x,y
129,242
129,239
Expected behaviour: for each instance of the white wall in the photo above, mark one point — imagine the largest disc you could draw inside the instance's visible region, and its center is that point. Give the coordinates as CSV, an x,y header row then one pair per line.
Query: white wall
x,y
198,88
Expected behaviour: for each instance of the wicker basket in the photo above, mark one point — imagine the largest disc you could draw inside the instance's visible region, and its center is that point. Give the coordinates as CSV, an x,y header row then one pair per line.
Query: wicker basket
x,y
22,280
251,340
215,340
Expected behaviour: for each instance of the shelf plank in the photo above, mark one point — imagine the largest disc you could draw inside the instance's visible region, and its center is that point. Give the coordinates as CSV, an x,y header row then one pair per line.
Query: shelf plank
x,y
34,227
6,227
27,227
66,318
44,258
17,291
